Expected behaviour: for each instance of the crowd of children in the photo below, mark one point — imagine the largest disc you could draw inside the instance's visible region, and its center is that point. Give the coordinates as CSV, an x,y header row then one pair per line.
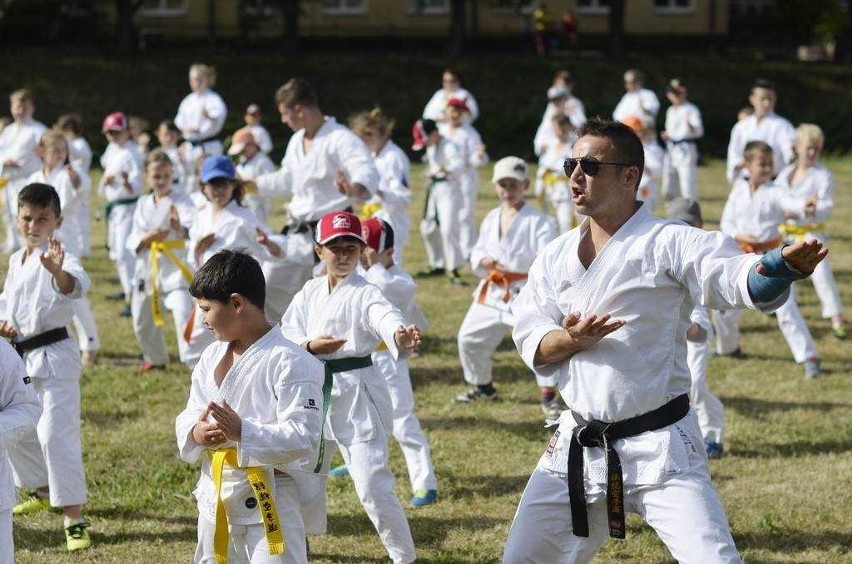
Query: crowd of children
x,y
187,231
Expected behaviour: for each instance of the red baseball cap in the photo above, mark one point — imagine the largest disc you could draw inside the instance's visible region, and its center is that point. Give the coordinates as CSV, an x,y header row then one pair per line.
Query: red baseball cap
x,y
377,233
458,103
115,121
339,224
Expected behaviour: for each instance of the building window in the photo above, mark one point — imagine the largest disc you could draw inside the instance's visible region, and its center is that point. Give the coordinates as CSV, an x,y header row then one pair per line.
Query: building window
x,y
344,7
429,7
674,6
164,8
513,6
593,6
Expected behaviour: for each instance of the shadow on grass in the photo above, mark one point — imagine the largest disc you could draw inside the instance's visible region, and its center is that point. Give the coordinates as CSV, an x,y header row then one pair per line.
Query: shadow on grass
x,y
760,409
530,430
37,539
794,449
451,373
109,419
787,541
485,486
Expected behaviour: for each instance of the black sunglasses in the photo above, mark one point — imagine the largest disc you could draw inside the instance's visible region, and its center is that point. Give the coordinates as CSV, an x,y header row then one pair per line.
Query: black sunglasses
x,y
590,167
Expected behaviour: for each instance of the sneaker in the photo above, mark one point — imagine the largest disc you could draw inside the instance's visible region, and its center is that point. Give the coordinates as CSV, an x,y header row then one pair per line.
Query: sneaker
x,y
423,497
475,394
147,367
736,353
714,449
430,272
839,332
812,368
339,471
125,312
32,504
455,278
552,408
116,297
76,537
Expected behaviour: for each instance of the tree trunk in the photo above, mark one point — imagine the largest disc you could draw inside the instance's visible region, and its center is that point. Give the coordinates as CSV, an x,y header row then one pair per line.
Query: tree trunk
x,y
126,36
291,11
211,21
616,29
455,43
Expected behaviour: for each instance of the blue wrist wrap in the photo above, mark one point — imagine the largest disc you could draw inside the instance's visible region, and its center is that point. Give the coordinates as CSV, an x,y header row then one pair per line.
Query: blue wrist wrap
x,y
764,288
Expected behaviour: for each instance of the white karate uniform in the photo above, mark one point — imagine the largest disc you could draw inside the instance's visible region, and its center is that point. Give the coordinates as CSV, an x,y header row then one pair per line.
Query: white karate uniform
x,y
398,287
18,142
544,135
262,138
118,160
684,126
171,283
276,389
708,409
181,170
758,215
642,104
206,113
393,194
551,184
52,454
436,105
773,130
80,155
468,140
308,178
70,199
360,413
20,409
249,169
487,323
648,274
819,182
649,184
440,224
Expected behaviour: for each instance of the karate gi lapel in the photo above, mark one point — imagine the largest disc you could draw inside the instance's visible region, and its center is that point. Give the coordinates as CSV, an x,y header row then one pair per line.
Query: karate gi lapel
x,y
242,369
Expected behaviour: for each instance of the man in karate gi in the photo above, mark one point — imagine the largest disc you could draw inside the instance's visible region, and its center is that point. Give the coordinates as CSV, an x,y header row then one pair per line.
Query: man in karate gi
x,y
605,310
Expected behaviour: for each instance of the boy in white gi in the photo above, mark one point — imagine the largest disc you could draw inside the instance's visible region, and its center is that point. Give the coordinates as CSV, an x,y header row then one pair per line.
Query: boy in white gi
x,y
80,155
252,162
252,118
762,125
326,168
440,226
201,114
451,87
708,409
511,237
70,184
18,159
551,184
393,195
161,224
683,128
755,209
649,186
120,186
341,318
35,309
600,312
20,409
637,100
168,135
253,419
810,181
560,101
398,288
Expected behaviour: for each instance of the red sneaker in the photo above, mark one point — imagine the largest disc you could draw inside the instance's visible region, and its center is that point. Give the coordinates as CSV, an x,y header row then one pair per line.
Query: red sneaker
x,y
147,366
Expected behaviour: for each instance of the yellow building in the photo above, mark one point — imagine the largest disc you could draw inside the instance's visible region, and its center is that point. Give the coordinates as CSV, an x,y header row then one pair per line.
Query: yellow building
x,y
429,18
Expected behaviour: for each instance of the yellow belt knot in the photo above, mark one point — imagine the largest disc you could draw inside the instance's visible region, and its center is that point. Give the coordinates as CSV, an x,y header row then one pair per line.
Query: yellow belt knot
x,y
799,231
167,249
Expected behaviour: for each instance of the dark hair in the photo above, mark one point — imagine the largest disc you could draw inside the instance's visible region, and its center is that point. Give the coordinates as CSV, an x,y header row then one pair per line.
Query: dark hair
x,y
40,195
637,75
70,122
455,73
763,83
239,188
229,272
753,148
297,91
169,125
628,146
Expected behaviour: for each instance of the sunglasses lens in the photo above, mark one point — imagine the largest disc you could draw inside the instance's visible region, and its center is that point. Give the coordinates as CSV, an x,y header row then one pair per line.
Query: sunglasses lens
x,y
589,167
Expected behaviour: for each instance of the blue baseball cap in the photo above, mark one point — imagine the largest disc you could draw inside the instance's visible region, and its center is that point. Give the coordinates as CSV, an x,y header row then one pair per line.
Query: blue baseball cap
x,y
218,166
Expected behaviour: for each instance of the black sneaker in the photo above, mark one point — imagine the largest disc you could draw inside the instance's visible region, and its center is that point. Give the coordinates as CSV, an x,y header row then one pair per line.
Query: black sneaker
x,y
115,297
474,395
455,278
430,272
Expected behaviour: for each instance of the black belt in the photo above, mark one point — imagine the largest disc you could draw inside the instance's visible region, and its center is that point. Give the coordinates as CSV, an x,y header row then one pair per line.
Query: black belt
x,y
591,434
200,142
680,141
41,340
300,227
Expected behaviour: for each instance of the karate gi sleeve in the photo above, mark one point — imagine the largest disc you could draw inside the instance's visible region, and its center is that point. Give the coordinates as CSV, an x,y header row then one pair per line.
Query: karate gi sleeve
x,y
543,136
278,183
20,407
398,289
479,250
82,283
696,123
395,189
189,450
577,113
536,314
435,107
134,175
383,319
475,159
472,106
181,117
216,114
735,154
701,317
727,224
134,239
296,433
357,162
825,195
294,323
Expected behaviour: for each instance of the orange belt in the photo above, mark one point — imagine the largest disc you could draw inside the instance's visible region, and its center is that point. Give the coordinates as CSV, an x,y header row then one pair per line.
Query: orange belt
x,y
503,279
759,248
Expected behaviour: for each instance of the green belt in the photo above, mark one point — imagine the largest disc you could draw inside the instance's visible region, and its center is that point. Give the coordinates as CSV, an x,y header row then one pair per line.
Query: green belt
x,y
332,366
108,207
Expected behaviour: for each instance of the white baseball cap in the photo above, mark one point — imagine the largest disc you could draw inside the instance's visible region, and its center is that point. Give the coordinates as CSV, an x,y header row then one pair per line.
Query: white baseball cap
x,y
510,167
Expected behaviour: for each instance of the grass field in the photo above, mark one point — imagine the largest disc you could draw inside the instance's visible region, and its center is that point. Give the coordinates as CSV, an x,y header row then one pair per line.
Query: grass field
x,y
785,480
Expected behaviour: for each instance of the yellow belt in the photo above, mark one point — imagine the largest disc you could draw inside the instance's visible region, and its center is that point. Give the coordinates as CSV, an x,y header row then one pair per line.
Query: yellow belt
x,y
368,210
383,346
550,178
164,247
799,231
265,502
